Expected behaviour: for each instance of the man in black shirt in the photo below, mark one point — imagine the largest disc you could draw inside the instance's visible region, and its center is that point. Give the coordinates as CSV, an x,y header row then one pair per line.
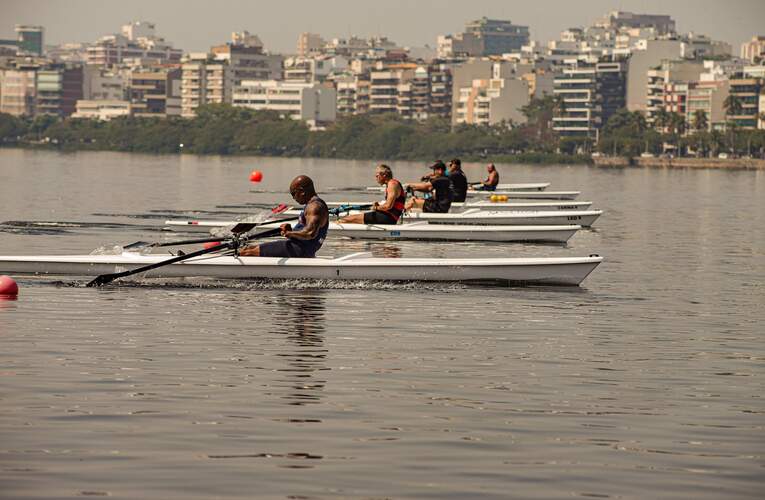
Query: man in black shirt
x,y
458,183
439,188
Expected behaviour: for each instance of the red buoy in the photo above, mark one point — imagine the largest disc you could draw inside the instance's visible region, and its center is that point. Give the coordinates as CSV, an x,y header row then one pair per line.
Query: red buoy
x,y
256,176
211,244
8,287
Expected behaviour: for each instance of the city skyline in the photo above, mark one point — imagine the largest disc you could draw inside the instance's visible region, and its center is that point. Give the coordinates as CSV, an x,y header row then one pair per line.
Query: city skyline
x,y
85,21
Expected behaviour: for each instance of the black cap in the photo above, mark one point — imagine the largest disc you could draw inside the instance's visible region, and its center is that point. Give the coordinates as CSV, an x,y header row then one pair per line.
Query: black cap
x,y
438,164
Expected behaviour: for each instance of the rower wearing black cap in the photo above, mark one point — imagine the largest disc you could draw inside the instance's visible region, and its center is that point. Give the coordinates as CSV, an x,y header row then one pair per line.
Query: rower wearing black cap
x,y
458,183
439,188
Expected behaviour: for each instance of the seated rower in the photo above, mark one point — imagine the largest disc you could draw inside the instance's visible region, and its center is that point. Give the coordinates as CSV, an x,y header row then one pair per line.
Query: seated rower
x,y
490,184
458,183
305,239
387,212
438,186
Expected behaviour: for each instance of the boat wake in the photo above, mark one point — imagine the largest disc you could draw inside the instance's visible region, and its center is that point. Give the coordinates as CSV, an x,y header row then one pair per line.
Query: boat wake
x,y
282,284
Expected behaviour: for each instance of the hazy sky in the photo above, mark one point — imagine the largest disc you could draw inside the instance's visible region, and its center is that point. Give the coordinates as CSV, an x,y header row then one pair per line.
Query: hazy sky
x,y
194,25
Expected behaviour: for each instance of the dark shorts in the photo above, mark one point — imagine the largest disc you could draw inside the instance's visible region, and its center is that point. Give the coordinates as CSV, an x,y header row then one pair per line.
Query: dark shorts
x,y
431,207
283,248
486,188
376,217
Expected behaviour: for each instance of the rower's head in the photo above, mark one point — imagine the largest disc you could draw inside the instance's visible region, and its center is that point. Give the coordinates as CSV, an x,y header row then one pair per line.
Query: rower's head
x,y
301,189
383,174
438,168
490,168
455,165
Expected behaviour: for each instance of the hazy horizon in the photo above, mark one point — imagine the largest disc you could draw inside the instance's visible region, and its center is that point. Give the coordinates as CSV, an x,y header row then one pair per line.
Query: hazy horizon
x,y
408,23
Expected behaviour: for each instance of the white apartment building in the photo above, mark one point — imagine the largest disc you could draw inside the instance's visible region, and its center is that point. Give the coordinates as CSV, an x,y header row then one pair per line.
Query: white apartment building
x,y
492,101
102,109
18,91
100,83
310,102
204,82
754,48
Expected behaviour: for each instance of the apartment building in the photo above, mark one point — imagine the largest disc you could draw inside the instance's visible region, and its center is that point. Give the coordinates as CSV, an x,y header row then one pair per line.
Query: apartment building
x,y
709,98
137,40
667,86
309,44
105,109
590,94
155,93
746,89
754,50
204,81
30,39
492,101
353,95
18,90
664,25
484,37
310,102
247,61
59,87
100,83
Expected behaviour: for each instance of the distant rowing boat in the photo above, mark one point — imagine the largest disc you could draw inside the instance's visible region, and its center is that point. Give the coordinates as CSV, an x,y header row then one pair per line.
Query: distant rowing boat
x,y
358,266
415,231
528,186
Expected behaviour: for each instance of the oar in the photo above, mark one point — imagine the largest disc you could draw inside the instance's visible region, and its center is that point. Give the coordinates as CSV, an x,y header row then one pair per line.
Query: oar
x,y
231,245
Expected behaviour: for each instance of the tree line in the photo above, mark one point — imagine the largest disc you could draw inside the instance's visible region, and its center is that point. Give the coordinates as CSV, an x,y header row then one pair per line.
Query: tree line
x,y
224,129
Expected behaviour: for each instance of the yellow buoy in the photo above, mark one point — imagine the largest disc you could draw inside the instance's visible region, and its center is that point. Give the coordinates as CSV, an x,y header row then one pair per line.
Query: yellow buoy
x,y
493,198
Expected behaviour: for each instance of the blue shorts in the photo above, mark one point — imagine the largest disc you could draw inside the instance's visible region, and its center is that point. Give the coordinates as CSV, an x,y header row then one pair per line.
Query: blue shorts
x,y
284,248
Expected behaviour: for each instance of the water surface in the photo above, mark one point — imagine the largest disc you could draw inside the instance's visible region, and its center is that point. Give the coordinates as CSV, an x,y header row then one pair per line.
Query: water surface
x,y
646,382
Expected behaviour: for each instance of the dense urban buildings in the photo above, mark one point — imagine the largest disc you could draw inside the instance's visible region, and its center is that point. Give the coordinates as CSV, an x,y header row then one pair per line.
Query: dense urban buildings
x,y
486,75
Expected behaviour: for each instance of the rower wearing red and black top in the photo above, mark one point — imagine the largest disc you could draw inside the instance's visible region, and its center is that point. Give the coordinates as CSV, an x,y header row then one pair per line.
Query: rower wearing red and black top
x,y
387,211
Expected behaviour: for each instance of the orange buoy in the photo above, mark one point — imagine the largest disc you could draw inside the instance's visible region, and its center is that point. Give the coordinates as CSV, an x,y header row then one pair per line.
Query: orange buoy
x,y
211,244
256,176
8,287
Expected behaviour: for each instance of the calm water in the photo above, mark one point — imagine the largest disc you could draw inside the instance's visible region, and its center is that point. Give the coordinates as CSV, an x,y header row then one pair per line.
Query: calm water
x,y
646,382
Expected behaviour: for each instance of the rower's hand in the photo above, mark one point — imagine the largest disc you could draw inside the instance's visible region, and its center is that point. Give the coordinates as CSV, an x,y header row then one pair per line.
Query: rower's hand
x,y
284,229
375,206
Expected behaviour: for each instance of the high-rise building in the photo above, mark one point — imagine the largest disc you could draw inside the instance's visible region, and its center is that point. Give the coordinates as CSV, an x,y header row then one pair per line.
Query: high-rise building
x,y
30,39
667,86
589,93
484,37
18,89
754,50
59,87
664,25
745,90
156,92
309,44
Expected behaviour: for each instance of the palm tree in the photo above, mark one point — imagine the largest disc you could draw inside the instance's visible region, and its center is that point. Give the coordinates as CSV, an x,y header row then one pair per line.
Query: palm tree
x,y
661,120
733,105
700,121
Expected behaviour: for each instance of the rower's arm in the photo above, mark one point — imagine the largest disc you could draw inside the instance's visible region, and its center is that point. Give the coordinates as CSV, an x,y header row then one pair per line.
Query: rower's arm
x,y
425,187
391,198
315,217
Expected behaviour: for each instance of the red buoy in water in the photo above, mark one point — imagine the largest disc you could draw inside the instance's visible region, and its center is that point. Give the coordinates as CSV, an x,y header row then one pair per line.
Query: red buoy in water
x,y
8,287
256,176
211,244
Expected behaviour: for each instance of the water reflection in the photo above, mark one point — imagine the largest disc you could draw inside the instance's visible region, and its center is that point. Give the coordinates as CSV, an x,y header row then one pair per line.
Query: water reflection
x,y
302,319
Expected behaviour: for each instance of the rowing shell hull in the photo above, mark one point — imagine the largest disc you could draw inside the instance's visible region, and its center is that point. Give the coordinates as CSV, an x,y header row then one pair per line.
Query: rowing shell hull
x,y
528,206
527,271
583,218
416,231
529,195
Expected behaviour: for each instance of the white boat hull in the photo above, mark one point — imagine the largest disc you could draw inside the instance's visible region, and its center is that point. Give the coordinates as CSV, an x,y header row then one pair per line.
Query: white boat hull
x,y
416,231
583,218
528,195
527,271
528,206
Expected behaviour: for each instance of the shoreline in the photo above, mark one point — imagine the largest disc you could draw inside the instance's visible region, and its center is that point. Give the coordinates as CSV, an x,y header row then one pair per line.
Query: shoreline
x,y
531,159
693,163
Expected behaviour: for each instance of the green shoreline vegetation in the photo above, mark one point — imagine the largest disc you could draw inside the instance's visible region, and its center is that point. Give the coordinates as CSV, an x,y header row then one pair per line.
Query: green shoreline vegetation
x,y
226,130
